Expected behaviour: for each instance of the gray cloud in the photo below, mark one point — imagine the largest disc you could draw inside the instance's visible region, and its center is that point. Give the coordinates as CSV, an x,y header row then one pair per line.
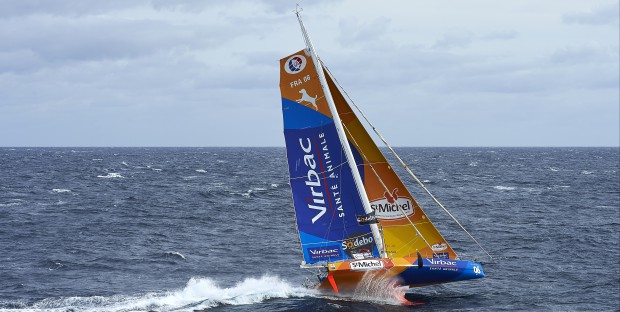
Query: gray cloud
x,y
179,72
454,39
501,35
354,32
74,8
600,15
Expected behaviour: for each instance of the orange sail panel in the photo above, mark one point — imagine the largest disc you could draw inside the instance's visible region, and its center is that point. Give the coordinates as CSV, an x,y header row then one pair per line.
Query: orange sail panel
x,y
400,237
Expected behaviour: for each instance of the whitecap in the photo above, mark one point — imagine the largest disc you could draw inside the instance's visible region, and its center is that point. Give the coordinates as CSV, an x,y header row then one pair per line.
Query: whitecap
x,y
554,169
473,164
111,175
124,164
275,185
10,204
198,294
586,172
61,190
201,170
175,254
504,188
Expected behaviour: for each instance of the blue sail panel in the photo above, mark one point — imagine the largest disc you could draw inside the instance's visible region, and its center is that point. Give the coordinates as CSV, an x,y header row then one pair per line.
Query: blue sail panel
x,y
324,193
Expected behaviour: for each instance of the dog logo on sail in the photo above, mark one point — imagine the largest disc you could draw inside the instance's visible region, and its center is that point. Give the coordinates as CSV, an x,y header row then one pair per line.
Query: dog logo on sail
x,y
392,206
295,64
306,98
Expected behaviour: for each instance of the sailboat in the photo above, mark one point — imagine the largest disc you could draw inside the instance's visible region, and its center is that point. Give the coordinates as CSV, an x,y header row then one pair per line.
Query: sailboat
x,y
354,215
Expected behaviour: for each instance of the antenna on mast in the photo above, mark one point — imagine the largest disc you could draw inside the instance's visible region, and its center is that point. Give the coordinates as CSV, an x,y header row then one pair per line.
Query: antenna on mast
x,y
298,9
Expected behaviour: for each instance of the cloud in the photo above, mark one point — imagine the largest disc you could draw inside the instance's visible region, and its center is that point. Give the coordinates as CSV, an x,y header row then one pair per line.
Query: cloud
x,y
74,8
591,52
454,39
156,72
354,32
501,35
601,15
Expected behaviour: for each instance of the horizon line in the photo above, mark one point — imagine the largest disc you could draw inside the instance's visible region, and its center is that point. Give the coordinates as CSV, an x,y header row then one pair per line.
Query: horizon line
x,y
274,146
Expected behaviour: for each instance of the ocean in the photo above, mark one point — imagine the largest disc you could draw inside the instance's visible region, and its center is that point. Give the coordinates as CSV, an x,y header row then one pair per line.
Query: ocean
x,y
192,229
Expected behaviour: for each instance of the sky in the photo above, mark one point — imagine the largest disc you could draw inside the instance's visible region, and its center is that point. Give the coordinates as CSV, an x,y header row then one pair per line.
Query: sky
x,y
206,73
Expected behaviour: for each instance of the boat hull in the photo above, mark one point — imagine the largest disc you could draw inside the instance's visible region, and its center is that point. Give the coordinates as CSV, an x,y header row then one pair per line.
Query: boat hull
x,y
347,275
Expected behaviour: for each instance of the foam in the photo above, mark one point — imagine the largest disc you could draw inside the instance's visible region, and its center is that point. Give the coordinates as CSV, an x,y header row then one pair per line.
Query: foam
x,y
175,254
110,175
10,204
198,294
378,287
504,188
248,193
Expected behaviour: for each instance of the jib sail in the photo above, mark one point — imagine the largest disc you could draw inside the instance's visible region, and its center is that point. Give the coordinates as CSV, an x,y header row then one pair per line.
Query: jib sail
x,y
327,203
394,207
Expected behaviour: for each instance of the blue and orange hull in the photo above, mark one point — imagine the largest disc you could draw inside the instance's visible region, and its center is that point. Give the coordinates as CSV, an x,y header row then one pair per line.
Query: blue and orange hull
x,y
345,276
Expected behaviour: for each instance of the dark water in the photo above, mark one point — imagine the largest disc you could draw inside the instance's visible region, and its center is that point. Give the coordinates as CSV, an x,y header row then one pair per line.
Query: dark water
x,y
182,229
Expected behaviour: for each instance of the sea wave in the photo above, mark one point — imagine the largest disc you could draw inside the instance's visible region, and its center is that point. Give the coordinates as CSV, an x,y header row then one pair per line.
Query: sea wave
x,y
111,175
9,204
198,294
174,254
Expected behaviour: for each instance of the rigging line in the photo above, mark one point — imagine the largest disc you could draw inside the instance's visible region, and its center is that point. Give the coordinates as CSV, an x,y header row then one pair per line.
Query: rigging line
x,y
386,189
405,165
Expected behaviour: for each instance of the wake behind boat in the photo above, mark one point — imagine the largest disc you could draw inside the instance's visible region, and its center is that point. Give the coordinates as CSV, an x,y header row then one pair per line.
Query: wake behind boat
x,y
354,215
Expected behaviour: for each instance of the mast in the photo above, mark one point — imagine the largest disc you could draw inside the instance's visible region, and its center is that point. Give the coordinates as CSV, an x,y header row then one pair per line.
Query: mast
x,y
359,184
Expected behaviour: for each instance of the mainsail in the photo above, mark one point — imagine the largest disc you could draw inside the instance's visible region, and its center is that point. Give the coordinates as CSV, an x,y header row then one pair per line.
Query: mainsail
x,y
325,196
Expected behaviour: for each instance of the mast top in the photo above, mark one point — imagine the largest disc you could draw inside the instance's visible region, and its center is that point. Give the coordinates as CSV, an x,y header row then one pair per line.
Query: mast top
x,y
298,9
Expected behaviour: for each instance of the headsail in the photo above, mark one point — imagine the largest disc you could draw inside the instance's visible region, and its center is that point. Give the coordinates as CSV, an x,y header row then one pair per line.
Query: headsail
x,y
394,207
324,194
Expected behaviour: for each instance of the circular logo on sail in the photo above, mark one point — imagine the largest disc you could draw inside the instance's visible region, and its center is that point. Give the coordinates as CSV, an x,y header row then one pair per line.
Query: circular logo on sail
x,y
295,64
